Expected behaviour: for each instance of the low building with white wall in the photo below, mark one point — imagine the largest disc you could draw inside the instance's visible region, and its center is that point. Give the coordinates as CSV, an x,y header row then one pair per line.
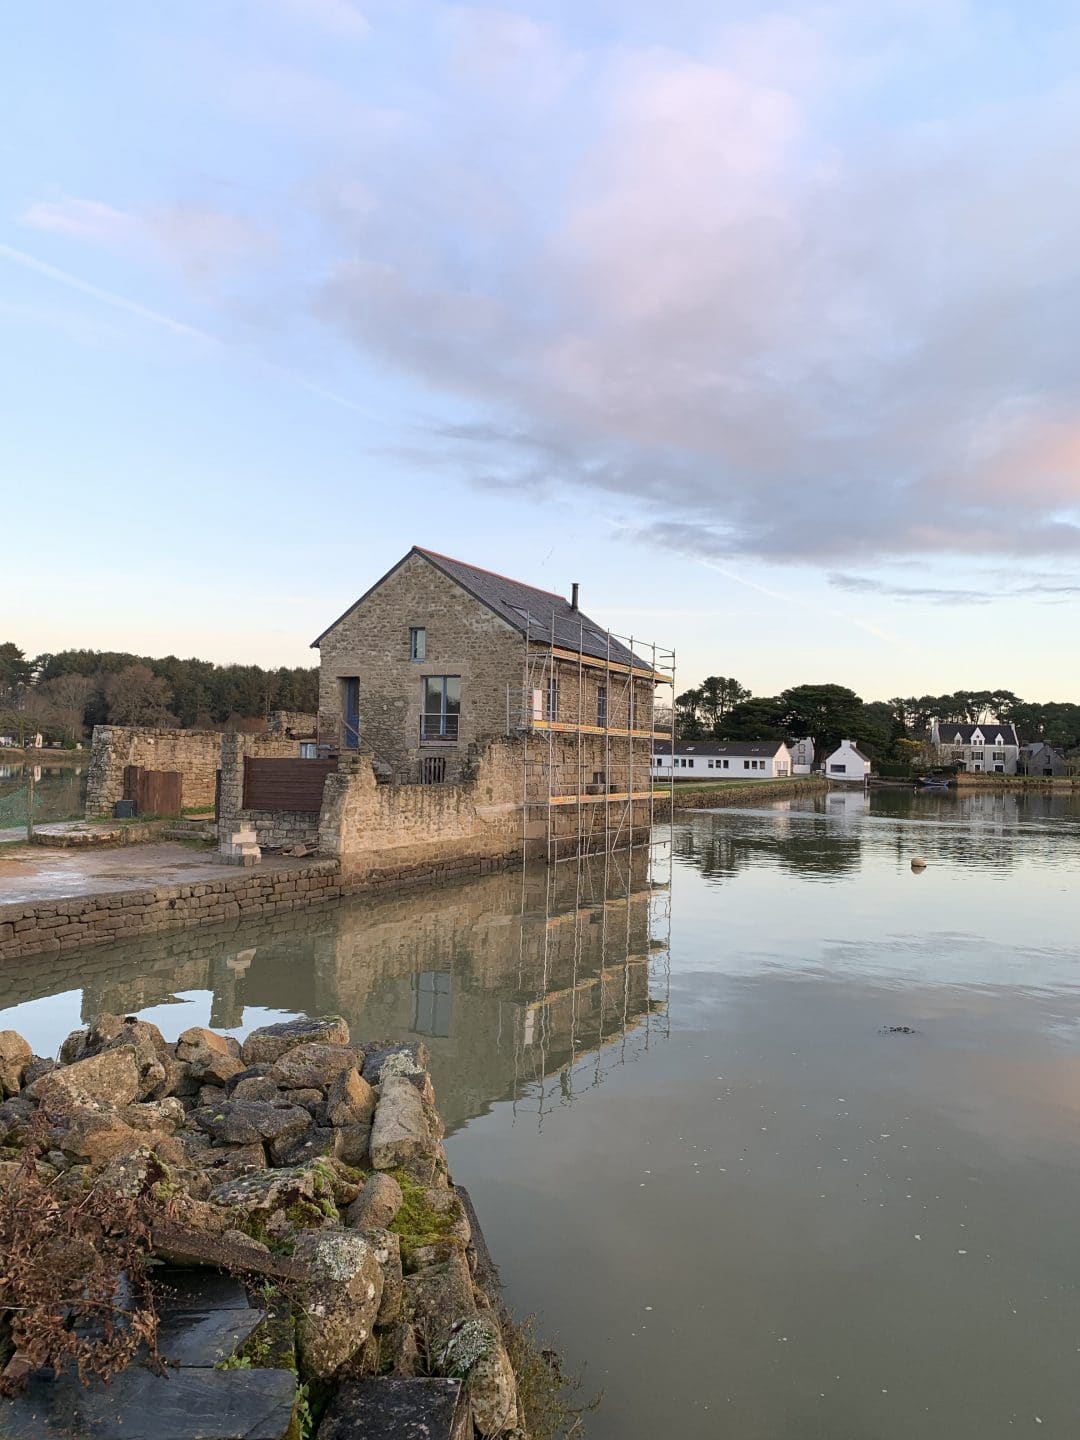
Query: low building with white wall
x,y
802,755
721,760
847,763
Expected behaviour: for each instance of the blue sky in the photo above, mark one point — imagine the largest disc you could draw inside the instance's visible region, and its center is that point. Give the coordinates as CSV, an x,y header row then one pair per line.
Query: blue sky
x,y
759,321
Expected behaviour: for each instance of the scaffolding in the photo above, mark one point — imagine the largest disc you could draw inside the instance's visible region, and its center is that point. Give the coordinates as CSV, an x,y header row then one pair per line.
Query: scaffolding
x,y
590,720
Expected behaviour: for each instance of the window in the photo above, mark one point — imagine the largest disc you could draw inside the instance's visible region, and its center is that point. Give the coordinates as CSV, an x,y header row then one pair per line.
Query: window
x,y
432,1001
308,750
601,705
417,643
725,764
711,764
837,769
432,769
999,754
551,699
442,707
976,754
350,710
746,764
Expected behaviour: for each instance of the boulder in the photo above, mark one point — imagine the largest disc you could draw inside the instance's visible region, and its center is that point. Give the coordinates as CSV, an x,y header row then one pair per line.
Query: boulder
x,y
267,1190
399,1408
339,1297
404,1058
72,1048
111,1076
438,1297
351,1100
253,1087
403,1129
316,1141
352,1145
15,1056
196,1039
207,1066
268,1044
387,1247
39,1065
165,1117
377,1205
311,1066
475,1353
156,1062
15,1117
246,1122
96,1135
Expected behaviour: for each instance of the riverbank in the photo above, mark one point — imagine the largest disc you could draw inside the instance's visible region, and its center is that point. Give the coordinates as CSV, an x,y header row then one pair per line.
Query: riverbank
x,y
304,1259
703,795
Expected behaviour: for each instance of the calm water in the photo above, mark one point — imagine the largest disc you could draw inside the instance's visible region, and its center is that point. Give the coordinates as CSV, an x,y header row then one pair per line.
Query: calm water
x,y
733,1198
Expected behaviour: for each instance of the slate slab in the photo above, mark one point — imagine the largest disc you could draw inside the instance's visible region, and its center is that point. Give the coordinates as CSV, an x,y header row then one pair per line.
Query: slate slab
x,y
397,1409
138,1405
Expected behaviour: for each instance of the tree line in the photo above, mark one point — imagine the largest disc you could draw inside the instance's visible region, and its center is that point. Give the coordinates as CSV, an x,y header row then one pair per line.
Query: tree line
x,y
64,695
890,731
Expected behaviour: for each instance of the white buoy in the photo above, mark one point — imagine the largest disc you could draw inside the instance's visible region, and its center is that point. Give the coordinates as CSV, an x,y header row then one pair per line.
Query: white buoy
x,y
918,863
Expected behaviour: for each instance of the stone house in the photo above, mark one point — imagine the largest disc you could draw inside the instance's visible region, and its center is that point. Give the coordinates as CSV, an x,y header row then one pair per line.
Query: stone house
x,y
1040,758
988,747
439,656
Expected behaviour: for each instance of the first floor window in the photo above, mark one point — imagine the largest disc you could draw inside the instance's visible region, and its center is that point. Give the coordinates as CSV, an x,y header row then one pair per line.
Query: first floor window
x,y
725,764
417,643
551,699
442,707
350,710
601,705
838,769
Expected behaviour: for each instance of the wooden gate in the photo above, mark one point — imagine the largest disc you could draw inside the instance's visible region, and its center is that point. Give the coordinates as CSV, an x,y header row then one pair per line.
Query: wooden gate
x,y
155,792
285,784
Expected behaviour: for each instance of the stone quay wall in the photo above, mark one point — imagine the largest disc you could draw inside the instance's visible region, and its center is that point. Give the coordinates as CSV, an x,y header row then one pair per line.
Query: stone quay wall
x,y
57,926
194,753
747,792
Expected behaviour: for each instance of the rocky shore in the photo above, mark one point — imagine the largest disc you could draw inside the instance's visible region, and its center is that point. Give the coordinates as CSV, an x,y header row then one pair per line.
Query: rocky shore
x,y
302,1169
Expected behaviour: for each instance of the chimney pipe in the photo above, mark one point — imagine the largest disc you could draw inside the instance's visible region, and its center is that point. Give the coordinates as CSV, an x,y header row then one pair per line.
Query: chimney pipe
x,y
573,595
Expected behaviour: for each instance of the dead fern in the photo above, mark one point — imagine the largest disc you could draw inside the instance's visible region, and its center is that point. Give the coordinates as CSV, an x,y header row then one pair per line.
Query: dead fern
x,y
74,1289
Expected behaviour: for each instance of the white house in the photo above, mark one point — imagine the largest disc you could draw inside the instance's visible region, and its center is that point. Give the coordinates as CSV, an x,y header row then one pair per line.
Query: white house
x,y
988,746
721,760
802,755
847,763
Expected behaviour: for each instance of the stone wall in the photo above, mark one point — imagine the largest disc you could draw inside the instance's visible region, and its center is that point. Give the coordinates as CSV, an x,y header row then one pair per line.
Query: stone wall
x,y
746,792
377,831
273,828
194,753
296,723
61,925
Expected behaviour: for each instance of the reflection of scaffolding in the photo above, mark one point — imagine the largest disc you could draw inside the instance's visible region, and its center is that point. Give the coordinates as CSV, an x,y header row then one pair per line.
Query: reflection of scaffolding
x,y
613,1011
589,716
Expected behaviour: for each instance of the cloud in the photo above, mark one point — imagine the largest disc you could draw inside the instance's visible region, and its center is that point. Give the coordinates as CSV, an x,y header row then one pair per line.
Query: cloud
x,y
998,591
205,244
337,17
720,302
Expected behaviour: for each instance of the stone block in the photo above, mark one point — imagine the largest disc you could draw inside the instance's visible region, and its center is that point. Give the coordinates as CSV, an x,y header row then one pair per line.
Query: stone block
x,y
393,1408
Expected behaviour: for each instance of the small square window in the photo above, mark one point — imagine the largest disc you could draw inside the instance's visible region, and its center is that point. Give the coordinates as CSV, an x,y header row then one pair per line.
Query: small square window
x,y
417,643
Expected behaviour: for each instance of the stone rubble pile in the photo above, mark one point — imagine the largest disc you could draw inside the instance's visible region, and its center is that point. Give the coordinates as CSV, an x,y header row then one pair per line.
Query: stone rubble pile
x,y
297,1154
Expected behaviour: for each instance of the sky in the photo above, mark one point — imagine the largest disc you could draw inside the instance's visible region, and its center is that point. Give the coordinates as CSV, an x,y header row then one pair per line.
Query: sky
x,y
759,321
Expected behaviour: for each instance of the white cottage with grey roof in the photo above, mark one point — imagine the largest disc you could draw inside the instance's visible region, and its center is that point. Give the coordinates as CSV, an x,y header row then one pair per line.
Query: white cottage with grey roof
x,y
721,760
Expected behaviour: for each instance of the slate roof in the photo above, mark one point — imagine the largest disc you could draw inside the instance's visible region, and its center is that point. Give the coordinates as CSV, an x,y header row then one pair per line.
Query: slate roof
x,y
949,731
735,748
531,611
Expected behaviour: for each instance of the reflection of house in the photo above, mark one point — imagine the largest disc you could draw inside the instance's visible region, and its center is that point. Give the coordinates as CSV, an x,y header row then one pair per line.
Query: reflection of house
x,y
508,979
802,755
847,763
988,747
1039,758
721,759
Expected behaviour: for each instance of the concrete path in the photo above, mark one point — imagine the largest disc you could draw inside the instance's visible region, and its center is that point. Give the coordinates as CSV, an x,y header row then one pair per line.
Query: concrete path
x,y
31,872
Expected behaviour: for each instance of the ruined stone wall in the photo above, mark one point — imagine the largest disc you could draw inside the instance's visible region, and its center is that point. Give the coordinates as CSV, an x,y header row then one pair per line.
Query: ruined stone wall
x,y
463,638
400,830
273,828
194,753
297,723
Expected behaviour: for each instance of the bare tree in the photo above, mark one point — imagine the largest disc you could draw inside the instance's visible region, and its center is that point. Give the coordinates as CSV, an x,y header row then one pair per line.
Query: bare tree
x,y
69,695
136,696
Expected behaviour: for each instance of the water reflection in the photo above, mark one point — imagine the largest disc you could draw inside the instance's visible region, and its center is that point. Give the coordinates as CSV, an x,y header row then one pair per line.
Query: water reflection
x,y
59,792
511,980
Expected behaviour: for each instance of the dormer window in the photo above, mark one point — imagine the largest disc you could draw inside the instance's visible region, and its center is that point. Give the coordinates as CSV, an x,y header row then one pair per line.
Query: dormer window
x,y
417,643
